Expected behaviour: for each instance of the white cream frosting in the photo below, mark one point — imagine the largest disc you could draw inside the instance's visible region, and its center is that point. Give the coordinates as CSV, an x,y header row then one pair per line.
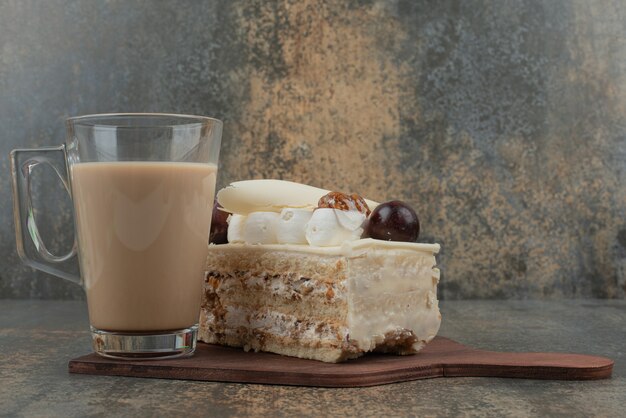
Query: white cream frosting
x,y
330,227
323,227
260,228
291,226
235,228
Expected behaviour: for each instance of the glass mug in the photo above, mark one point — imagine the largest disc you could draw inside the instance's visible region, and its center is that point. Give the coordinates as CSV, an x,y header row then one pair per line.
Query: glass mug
x,y
142,188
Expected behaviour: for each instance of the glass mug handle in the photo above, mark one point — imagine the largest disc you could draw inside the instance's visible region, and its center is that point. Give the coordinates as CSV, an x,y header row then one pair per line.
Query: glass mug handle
x,y
30,247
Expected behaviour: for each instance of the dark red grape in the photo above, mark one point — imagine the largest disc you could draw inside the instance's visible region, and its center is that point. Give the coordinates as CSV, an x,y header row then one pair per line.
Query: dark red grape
x,y
393,221
219,225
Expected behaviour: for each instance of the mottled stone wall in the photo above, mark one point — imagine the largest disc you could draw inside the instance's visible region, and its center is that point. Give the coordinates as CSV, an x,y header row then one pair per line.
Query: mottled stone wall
x,y
502,122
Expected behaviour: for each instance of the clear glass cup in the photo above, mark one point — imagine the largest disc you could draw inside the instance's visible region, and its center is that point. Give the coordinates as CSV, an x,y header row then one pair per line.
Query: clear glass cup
x,y
142,188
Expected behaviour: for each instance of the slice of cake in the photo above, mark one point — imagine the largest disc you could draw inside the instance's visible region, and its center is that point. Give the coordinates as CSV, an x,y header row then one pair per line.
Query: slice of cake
x,y
297,279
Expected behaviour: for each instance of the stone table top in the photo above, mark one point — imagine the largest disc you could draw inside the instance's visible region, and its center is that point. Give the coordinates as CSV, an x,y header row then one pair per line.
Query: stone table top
x,y
37,338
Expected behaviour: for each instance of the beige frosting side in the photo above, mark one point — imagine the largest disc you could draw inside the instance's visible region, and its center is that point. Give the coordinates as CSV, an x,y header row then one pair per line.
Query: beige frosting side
x,y
390,292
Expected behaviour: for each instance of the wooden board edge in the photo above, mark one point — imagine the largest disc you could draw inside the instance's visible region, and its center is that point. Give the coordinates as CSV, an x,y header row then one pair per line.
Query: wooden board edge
x,y
255,377
528,372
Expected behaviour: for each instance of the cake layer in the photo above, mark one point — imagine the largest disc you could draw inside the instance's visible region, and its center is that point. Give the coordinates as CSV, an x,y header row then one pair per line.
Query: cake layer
x,y
262,329
262,259
283,293
328,304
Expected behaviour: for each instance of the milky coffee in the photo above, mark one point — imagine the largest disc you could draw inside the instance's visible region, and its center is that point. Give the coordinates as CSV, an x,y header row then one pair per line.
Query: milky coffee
x,y
143,230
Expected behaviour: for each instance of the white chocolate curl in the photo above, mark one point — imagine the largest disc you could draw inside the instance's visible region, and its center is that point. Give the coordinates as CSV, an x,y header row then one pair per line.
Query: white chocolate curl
x,y
247,196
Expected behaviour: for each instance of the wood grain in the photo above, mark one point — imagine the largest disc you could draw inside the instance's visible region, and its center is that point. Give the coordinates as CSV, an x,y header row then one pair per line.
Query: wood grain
x,y
441,358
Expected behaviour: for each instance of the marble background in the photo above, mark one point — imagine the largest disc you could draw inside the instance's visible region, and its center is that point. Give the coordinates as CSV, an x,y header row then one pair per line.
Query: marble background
x,y
502,122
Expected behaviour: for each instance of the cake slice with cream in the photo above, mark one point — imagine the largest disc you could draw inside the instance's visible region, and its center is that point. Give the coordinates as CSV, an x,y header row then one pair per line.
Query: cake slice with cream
x,y
296,277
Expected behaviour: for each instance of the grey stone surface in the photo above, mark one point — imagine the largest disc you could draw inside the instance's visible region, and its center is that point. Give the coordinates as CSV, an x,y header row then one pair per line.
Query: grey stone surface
x,y
501,122
37,338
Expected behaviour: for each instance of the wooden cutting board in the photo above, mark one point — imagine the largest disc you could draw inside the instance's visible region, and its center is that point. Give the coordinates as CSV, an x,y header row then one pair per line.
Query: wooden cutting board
x,y
441,358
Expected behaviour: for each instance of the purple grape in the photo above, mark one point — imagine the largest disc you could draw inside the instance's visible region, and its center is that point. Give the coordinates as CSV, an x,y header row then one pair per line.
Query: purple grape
x,y
393,221
219,225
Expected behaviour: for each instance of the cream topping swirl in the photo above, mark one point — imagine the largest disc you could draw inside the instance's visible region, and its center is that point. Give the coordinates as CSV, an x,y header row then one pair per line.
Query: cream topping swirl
x,y
323,227
329,227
